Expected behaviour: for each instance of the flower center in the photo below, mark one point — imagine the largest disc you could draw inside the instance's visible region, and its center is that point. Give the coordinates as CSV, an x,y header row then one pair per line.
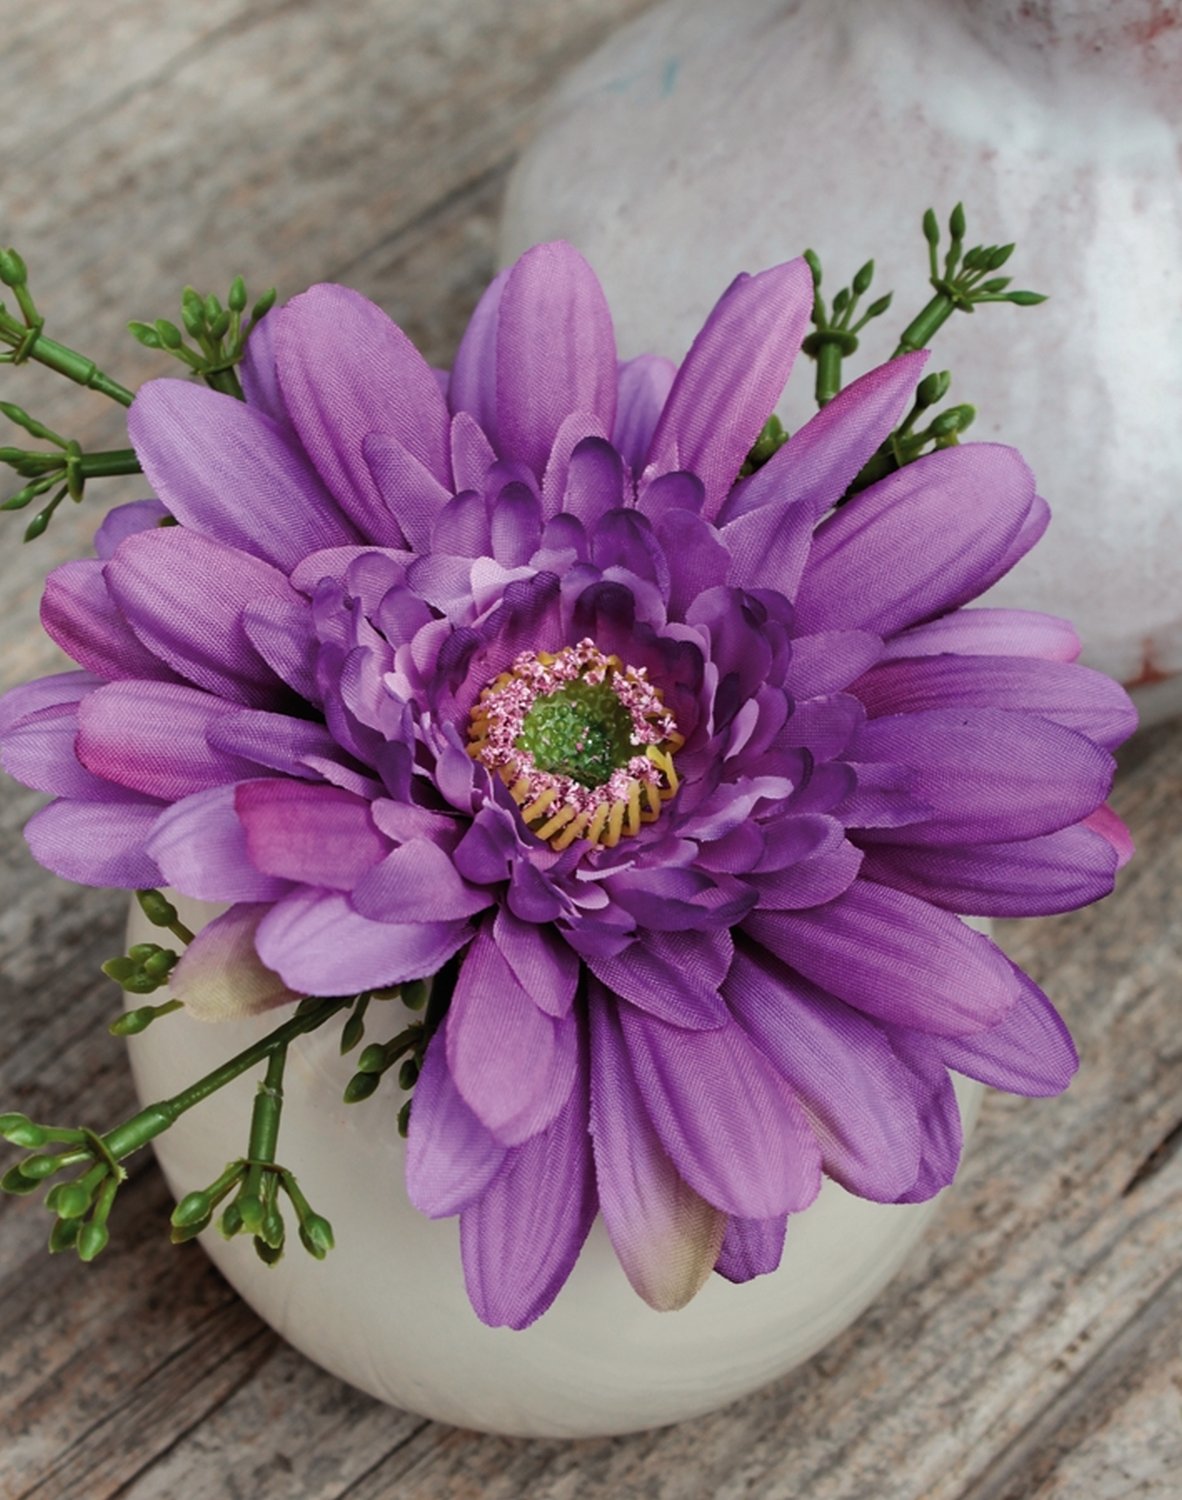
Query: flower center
x,y
584,743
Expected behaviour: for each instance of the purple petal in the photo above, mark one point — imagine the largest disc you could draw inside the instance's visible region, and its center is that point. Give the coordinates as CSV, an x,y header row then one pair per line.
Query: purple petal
x,y
1106,823
318,835
674,976
555,352
990,632
417,883
939,1117
594,482
697,558
78,613
231,473
220,976
943,522
450,1157
151,737
1025,878
543,965
256,370
515,525
829,662
521,1239
813,469
666,1236
855,1092
731,1125
345,371
40,752
988,774
732,377
1034,525
770,548
820,876
492,1026
283,634
751,1247
1075,696
896,958
408,489
645,383
97,843
200,845
473,387
22,703
126,520
321,946
276,741
184,596
1030,1052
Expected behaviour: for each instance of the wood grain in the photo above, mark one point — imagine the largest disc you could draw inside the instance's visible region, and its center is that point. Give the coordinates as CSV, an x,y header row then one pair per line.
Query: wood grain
x,y
1029,1351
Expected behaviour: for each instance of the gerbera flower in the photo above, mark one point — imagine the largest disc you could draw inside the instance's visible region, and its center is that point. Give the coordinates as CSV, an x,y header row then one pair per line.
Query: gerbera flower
x,y
685,778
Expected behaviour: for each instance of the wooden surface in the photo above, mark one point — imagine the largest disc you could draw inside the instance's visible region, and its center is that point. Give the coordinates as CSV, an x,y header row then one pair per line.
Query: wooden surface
x,y
1031,1347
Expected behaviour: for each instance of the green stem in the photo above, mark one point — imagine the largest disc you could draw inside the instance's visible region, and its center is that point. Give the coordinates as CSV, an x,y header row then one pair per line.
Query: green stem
x,y
108,465
135,1133
64,361
829,357
920,331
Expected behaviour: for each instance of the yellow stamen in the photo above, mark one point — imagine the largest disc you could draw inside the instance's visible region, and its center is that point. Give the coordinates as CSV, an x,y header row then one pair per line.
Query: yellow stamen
x,y
559,820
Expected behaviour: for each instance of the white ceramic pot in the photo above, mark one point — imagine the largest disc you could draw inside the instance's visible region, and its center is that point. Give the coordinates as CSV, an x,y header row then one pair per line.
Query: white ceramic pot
x,y
705,139
387,1310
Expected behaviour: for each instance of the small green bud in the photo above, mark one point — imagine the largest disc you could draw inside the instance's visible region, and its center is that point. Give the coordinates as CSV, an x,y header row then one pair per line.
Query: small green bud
x,y
168,334
145,334
93,1239
813,261
38,1168
192,313
70,1200
997,284
159,911
404,1118
132,1022
361,1086
931,228
19,1130
182,1235
192,1208
272,1230
138,952
140,983
865,276
160,964
841,301
64,1235
876,309
351,1033
13,271
999,255
15,1182
237,297
975,258
956,222
316,1236
373,1059
264,305
269,1255
396,991
230,1222
119,969
408,1074
39,525
250,1207
1025,299
933,388
219,326
213,308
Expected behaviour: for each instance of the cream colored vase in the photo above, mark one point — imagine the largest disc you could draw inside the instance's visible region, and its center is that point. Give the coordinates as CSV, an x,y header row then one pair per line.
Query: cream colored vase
x,y
705,139
387,1311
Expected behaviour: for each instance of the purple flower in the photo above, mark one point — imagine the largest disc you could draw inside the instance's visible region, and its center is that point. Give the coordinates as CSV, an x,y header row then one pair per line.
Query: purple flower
x,y
686,778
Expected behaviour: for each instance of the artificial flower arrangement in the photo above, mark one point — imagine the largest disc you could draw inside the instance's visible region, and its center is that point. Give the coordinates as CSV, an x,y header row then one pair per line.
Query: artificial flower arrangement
x,y
650,755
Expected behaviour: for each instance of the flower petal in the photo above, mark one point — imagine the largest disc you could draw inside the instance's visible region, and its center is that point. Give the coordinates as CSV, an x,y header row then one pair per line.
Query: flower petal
x,y
200,845
78,613
1030,1052
855,1092
321,946
230,472
731,1125
319,835
645,383
555,352
666,1236
184,596
220,976
671,975
944,522
732,377
895,958
417,883
520,1240
514,1065
126,520
990,632
473,388
345,371
97,843
751,1247
450,1157
543,965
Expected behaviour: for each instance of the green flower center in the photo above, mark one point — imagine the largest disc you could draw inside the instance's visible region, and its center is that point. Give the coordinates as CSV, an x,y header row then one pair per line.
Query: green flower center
x,y
581,730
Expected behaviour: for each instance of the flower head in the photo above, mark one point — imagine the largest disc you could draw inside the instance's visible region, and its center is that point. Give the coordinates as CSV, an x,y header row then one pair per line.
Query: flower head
x,y
686,777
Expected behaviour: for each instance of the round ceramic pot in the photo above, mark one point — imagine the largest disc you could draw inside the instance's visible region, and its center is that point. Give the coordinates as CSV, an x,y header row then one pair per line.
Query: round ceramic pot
x,y
387,1310
705,139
